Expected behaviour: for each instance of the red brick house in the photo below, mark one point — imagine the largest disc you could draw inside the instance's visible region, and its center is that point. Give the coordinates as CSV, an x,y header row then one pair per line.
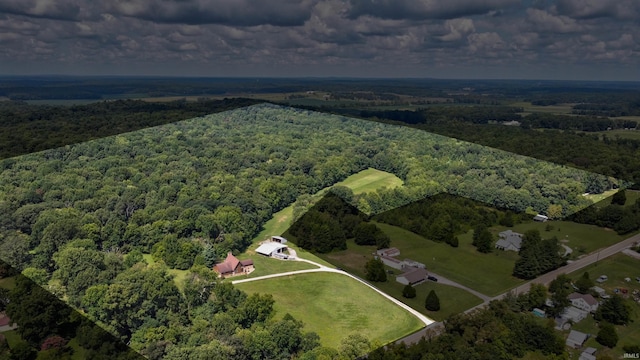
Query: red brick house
x,y
231,266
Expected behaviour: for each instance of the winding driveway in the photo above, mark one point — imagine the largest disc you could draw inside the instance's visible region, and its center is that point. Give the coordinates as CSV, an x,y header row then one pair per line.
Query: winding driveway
x,y
322,268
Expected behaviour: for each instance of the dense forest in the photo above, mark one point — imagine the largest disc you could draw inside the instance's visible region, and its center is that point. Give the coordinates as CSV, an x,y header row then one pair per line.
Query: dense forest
x,y
443,217
28,128
79,217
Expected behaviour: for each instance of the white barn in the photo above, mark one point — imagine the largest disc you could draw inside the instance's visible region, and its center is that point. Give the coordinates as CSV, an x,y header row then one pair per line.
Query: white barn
x,y
271,248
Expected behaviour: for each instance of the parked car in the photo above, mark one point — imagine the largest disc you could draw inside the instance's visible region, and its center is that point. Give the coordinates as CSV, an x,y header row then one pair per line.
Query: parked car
x,y
602,278
432,278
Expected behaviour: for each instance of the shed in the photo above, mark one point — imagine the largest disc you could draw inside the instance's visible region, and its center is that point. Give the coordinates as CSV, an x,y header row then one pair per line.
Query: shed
x,y
279,239
388,252
576,339
271,248
541,218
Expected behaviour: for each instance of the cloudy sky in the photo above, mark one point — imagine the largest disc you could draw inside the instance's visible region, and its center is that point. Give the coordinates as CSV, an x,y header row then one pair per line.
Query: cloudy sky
x,y
545,39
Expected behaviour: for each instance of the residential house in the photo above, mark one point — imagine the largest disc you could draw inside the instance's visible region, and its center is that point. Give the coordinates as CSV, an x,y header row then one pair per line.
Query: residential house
x,y
584,302
412,277
576,339
509,240
231,266
574,314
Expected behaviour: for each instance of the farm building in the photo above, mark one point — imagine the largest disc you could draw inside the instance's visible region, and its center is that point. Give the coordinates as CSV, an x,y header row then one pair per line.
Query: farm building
x,y
540,218
231,266
271,248
576,339
584,302
388,252
392,262
279,239
509,240
412,277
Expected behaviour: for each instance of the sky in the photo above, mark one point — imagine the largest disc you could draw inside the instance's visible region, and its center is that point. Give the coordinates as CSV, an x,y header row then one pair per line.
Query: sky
x,y
505,39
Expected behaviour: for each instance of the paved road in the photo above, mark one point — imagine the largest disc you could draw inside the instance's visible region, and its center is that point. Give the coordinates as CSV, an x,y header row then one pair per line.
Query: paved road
x,y
322,268
543,279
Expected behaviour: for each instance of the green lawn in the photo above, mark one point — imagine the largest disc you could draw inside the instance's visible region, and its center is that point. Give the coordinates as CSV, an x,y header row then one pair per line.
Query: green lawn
x,y
632,196
267,266
574,235
8,283
334,306
599,197
370,180
616,267
489,274
452,300
13,338
553,109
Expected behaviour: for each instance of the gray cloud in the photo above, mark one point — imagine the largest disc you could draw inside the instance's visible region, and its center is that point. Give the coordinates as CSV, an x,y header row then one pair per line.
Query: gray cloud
x,y
425,9
378,37
591,9
232,12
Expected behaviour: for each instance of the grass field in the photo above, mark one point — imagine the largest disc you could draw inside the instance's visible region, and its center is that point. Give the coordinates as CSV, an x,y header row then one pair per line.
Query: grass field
x,y
616,267
267,266
589,237
632,196
333,306
489,274
363,181
370,180
553,109
599,197
179,275
8,283
452,300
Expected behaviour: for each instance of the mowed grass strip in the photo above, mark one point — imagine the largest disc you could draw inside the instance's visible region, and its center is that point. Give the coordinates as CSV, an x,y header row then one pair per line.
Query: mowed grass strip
x,y
370,180
334,306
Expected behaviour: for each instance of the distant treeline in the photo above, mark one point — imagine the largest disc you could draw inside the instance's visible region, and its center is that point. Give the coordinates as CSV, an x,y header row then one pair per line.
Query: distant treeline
x,y
28,128
610,104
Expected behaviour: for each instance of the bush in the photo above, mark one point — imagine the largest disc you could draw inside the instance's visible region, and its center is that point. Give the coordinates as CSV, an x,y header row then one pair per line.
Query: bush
x,y
409,292
432,303
607,335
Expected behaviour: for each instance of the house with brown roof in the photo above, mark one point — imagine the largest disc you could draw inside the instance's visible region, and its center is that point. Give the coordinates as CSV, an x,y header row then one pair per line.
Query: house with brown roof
x,y
231,266
584,302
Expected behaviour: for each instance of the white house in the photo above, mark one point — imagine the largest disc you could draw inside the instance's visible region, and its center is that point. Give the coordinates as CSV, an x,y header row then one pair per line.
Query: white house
x,y
271,248
584,302
412,277
574,314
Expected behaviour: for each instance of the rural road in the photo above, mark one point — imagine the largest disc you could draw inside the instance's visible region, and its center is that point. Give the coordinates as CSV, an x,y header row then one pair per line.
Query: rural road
x,y
322,268
544,279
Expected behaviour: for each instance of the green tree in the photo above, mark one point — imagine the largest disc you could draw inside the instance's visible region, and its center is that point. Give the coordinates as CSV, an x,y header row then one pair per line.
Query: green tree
x,y
584,283
482,239
354,346
38,276
132,258
374,271
619,198
409,291
560,288
432,302
607,335
614,310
